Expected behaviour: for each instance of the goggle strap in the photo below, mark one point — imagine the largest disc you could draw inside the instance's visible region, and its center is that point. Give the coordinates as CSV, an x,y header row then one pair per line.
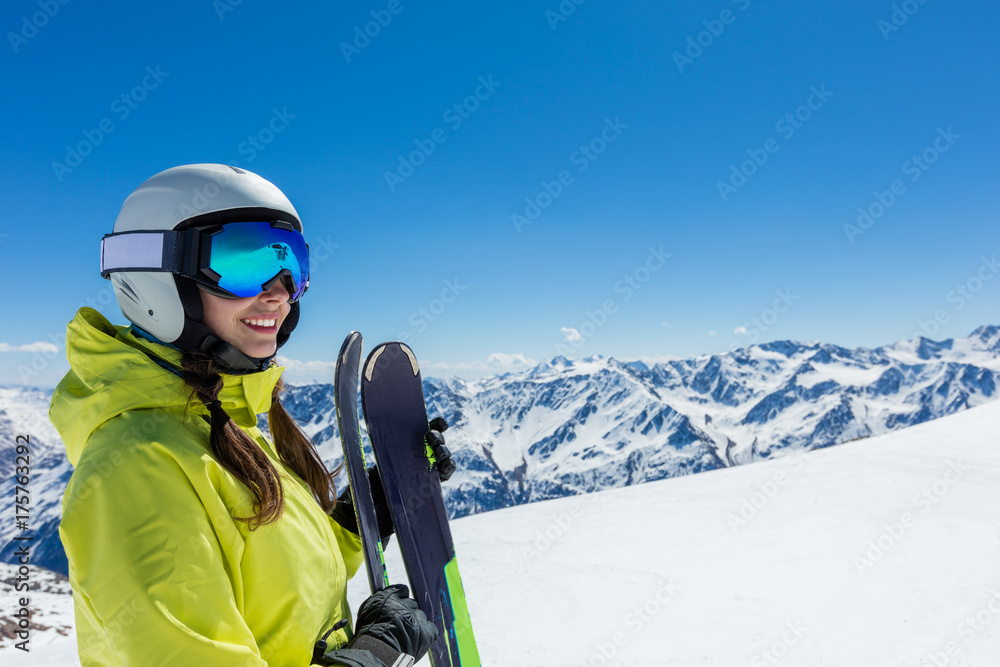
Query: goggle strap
x,y
142,251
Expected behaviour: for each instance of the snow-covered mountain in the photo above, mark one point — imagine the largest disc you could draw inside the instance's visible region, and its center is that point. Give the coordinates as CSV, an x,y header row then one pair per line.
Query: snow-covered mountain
x,y
572,427
24,418
877,553
50,605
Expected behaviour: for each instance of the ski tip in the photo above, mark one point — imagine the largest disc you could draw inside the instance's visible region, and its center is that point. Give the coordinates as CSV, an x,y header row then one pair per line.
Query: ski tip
x,y
413,359
391,349
372,358
348,343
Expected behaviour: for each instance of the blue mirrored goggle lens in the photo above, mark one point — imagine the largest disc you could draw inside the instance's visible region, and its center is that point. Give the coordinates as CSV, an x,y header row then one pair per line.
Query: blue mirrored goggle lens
x,y
248,255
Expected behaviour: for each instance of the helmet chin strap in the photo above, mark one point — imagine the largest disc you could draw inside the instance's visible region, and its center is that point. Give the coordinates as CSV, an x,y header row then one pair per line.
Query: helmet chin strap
x,y
233,361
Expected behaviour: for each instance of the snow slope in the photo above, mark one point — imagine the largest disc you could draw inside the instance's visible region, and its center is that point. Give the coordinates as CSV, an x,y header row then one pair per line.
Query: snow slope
x,y
573,427
882,552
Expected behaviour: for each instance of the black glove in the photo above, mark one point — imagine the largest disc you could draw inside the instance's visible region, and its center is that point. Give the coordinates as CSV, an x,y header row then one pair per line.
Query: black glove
x,y
389,624
347,657
344,514
445,464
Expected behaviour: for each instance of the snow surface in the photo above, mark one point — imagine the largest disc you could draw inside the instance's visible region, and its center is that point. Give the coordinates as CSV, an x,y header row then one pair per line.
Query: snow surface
x,y
882,552
50,604
856,376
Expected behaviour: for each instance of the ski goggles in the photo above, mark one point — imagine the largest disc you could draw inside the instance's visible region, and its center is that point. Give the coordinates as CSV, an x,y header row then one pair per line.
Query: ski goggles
x,y
236,259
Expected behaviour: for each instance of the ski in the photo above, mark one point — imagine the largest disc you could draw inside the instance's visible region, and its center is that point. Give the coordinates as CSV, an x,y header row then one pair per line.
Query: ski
x,y
345,398
392,399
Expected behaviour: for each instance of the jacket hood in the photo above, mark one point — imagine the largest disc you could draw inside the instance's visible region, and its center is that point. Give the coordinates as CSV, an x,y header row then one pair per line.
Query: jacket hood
x,y
113,370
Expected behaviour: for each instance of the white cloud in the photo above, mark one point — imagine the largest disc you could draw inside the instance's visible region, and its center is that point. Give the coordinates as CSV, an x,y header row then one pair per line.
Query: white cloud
x,y
445,366
711,333
307,372
572,335
741,330
666,324
44,348
311,372
501,360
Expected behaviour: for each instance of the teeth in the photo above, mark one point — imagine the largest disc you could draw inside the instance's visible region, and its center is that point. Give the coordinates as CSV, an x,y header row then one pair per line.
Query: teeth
x,y
261,323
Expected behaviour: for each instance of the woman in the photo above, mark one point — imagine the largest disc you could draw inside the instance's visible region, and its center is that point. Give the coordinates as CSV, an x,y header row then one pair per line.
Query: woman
x,y
192,539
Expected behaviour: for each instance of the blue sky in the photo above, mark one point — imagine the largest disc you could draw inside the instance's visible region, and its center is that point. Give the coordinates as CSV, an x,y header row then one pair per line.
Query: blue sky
x,y
639,179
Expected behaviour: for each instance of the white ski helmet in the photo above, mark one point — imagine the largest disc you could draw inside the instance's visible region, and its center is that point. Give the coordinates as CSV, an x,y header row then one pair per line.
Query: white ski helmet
x,y
152,257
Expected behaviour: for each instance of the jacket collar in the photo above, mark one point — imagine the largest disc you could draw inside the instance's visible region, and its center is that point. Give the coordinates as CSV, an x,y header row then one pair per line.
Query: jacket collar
x,y
113,370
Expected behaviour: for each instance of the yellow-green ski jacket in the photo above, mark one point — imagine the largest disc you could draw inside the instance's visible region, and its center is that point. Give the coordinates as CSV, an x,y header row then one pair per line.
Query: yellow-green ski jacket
x,y
162,574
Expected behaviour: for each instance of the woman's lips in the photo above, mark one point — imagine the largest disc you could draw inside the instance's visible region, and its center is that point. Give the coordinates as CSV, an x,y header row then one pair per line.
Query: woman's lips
x,y
266,330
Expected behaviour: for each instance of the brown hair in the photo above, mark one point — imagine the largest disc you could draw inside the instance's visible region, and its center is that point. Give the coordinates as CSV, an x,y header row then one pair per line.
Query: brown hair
x,y
238,453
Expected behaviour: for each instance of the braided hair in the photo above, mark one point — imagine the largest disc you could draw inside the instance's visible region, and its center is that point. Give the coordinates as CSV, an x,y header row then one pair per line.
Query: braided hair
x,y
239,454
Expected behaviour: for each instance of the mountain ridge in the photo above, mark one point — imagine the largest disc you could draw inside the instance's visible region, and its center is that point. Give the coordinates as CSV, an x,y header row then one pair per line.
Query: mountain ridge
x,y
568,427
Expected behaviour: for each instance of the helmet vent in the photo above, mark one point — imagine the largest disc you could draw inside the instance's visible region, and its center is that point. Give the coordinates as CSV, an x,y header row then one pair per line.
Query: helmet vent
x,y
236,169
245,214
129,292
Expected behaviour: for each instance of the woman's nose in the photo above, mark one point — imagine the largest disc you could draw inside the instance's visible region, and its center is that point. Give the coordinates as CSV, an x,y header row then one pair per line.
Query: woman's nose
x,y
277,290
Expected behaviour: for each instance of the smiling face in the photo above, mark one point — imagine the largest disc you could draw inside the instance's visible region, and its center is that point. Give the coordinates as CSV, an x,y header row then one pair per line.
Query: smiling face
x,y
249,324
